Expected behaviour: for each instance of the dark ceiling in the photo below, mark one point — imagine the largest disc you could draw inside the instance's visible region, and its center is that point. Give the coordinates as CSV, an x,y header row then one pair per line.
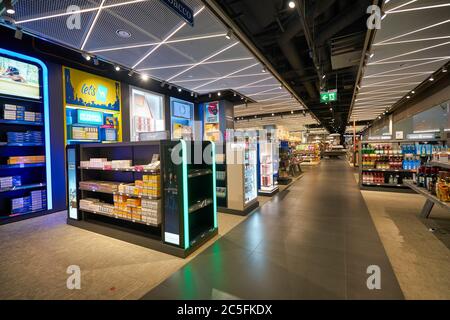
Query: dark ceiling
x,y
336,31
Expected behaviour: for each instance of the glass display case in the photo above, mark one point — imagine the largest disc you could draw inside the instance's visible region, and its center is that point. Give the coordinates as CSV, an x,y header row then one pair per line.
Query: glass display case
x,y
250,171
268,168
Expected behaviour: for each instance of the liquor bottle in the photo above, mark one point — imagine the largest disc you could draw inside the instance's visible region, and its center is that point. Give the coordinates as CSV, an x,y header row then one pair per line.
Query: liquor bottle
x,y
421,176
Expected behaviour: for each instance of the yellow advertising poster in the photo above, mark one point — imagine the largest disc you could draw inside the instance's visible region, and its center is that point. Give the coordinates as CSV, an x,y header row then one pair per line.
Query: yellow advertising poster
x,y
83,89
91,97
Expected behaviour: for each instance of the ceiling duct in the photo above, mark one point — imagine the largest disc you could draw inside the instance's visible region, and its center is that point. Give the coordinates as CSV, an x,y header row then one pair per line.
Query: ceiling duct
x,y
346,51
290,51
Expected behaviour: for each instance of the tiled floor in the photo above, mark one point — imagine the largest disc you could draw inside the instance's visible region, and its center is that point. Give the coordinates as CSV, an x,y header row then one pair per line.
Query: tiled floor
x,y
313,241
420,258
35,254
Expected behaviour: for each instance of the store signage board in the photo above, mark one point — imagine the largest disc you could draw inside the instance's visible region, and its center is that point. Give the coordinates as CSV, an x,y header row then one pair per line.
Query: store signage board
x,y
328,96
181,9
380,138
83,89
90,117
420,136
399,135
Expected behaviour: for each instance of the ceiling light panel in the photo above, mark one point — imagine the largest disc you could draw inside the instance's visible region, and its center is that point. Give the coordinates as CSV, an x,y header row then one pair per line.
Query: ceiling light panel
x,y
26,10
56,30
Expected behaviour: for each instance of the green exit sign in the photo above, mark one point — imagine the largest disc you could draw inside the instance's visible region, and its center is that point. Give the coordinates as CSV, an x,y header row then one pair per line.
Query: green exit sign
x,y
328,96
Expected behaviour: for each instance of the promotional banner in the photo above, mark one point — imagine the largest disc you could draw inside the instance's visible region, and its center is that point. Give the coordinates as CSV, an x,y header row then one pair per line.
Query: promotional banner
x,y
87,90
212,112
19,78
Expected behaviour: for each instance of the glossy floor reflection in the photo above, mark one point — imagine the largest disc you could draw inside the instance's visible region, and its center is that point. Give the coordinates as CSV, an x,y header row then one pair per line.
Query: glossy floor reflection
x,y
312,241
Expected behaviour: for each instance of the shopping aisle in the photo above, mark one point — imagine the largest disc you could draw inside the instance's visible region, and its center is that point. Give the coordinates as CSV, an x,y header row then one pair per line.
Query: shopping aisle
x,y
312,241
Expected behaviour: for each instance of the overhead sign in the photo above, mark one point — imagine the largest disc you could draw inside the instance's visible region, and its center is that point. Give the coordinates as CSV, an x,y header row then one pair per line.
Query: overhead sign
x,y
328,96
181,9
420,136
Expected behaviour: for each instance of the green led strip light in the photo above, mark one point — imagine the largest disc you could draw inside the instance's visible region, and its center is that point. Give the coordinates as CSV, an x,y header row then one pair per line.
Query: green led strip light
x,y
185,194
213,157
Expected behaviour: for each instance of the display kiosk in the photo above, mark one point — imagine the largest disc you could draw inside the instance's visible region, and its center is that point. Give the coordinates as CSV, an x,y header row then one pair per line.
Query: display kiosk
x,y
268,164
123,191
25,155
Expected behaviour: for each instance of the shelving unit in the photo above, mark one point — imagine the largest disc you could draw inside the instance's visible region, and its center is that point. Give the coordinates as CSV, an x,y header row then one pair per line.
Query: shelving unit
x,y
385,164
187,204
431,200
241,177
267,168
33,195
221,176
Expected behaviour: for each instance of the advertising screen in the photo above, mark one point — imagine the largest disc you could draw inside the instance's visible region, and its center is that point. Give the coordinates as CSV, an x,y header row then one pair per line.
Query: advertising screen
x,y
19,78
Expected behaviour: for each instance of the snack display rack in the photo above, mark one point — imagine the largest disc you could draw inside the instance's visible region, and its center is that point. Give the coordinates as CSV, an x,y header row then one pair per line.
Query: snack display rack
x,y
386,164
151,194
309,153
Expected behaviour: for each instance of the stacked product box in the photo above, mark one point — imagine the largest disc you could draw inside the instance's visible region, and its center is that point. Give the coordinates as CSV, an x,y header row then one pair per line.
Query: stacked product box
x,y
103,163
100,186
151,211
25,137
34,202
85,133
26,159
151,185
90,204
9,182
13,112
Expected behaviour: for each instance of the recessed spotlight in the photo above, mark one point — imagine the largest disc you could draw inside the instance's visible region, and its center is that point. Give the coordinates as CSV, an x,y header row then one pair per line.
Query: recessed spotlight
x,y
408,97
431,79
9,7
123,33
292,112
219,94
170,87
179,89
144,77
291,4
192,94
264,70
273,114
229,34
209,95
371,55
86,56
117,68
130,73
413,92
444,70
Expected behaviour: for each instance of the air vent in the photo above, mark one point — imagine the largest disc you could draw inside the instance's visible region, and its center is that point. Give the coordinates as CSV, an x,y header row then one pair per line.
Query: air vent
x,y
346,51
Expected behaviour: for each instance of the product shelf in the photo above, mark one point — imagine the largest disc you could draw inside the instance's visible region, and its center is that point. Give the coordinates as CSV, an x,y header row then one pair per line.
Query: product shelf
x,y
24,187
199,172
122,170
21,122
444,165
6,144
121,218
387,170
21,165
129,195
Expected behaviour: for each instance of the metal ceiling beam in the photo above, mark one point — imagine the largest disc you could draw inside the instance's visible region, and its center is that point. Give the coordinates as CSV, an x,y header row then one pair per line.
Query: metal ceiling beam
x,y
218,11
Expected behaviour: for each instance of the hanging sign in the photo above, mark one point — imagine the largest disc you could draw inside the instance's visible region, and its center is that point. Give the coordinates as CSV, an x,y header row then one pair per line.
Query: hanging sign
x,y
181,9
328,96
212,112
